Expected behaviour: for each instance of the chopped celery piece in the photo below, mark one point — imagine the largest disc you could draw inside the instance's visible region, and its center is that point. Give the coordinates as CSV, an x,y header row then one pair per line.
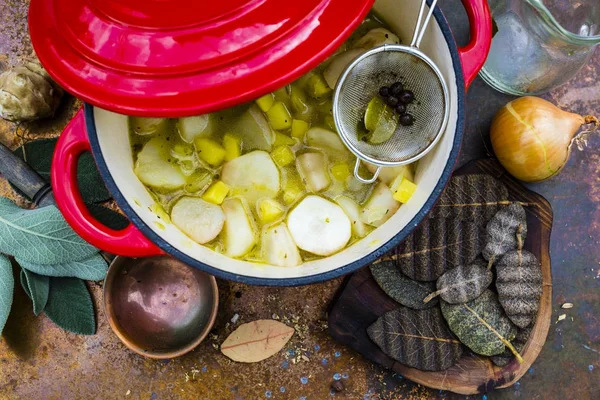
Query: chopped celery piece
x,y
279,116
254,130
270,210
299,129
191,128
232,145
317,87
154,169
216,193
210,151
283,155
148,126
282,139
198,181
340,171
404,191
266,102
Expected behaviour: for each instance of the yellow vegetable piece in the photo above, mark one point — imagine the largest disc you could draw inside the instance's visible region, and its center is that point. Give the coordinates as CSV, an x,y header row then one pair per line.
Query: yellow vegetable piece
x,y
233,146
198,181
299,129
281,139
216,193
298,98
293,189
210,151
279,116
283,155
317,87
270,210
404,191
340,171
183,149
265,102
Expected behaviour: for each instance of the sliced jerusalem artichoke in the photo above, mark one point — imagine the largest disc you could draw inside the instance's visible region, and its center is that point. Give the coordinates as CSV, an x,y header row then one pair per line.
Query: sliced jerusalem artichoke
x,y
200,220
375,38
148,126
153,168
254,130
252,176
313,171
352,210
380,206
279,247
319,226
191,128
327,141
338,64
239,234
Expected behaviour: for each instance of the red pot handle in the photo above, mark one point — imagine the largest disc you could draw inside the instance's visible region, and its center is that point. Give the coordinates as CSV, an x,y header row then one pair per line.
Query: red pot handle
x,y
474,54
71,144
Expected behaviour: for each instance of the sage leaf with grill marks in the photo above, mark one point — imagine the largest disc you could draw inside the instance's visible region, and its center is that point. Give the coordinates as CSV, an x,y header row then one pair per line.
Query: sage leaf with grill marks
x,y
475,197
438,245
519,284
482,325
503,231
399,287
416,338
463,283
518,342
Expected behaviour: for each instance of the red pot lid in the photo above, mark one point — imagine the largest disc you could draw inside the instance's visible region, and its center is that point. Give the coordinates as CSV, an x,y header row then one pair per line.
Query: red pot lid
x,y
185,57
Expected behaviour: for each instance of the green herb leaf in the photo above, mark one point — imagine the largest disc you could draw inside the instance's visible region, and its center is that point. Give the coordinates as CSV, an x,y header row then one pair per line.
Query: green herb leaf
x,y
70,306
39,236
37,288
481,324
417,338
108,217
38,154
90,269
399,287
7,285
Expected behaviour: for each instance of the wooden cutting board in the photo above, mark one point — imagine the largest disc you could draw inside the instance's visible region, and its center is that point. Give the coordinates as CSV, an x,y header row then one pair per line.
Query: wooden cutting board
x,y
361,302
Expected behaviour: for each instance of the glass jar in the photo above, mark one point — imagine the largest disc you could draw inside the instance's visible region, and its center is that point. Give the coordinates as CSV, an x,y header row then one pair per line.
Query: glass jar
x,y
540,44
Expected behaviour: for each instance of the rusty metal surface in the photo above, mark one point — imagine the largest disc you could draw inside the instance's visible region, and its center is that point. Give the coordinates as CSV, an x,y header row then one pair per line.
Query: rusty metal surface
x,y
39,361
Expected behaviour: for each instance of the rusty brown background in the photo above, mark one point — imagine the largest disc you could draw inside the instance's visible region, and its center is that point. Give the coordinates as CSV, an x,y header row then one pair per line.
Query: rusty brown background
x,y
40,361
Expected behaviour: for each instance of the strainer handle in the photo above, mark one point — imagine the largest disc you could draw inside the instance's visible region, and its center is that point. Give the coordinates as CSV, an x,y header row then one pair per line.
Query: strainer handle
x,y
360,178
421,25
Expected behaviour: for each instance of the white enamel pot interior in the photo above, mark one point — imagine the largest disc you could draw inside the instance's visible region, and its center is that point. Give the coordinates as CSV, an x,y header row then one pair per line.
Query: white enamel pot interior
x,y
107,133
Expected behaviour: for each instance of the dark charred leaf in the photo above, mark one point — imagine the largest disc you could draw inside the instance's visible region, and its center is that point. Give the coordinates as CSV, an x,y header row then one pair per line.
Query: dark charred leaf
x,y
476,197
438,245
518,342
503,232
463,283
416,338
519,284
481,324
399,287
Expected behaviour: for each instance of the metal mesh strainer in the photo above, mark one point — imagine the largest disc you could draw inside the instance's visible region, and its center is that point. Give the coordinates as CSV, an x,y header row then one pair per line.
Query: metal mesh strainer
x,y
383,66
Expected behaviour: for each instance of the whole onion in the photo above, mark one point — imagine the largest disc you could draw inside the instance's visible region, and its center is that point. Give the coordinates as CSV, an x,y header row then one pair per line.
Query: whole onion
x,y
532,137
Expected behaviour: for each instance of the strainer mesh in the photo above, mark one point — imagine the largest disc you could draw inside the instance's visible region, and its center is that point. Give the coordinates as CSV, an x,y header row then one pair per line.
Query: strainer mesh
x,y
363,83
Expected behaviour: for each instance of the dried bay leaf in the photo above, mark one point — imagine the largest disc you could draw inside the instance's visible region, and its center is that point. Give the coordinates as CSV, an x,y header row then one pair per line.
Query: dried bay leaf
x,y
399,287
481,325
256,341
503,231
463,283
416,338
518,342
476,197
438,245
519,284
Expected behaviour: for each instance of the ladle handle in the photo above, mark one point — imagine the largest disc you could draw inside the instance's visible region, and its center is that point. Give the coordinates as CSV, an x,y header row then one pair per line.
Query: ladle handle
x,y
126,242
360,178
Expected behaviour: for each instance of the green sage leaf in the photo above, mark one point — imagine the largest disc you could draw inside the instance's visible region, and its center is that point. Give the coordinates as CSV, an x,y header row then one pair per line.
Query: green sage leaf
x,y
39,236
108,217
504,231
90,269
7,285
463,283
481,324
70,306
38,154
37,288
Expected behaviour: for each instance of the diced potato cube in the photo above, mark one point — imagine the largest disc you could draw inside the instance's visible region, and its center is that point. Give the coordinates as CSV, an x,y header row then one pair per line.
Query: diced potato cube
x,y
210,151
198,181
340,171
317,87
282,139
265,102
269,210
299,129
232,145
404,191
216,193
283,155
279,116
